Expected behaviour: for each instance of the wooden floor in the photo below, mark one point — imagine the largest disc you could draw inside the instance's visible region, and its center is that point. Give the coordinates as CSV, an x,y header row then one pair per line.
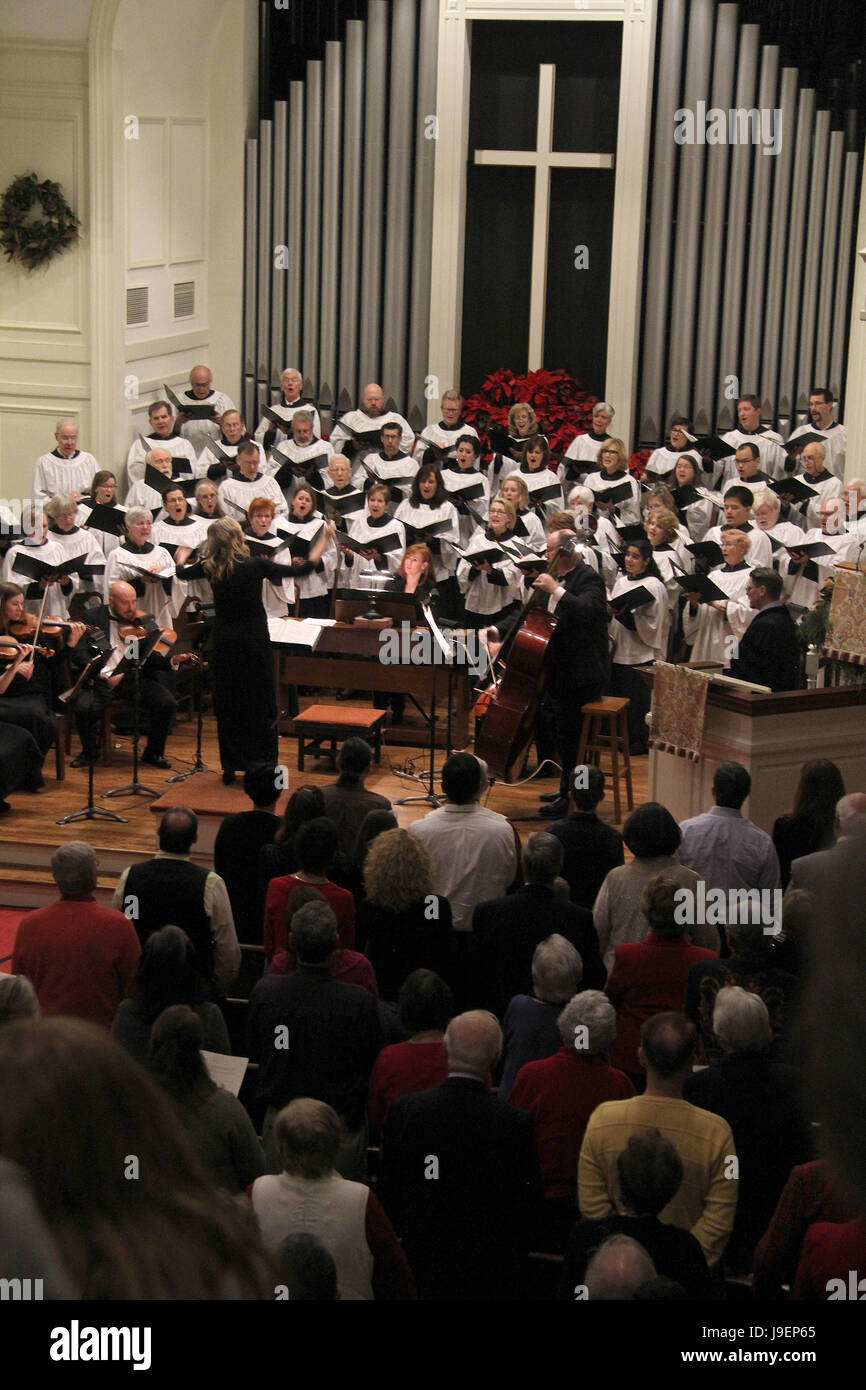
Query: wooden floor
x,y
29,832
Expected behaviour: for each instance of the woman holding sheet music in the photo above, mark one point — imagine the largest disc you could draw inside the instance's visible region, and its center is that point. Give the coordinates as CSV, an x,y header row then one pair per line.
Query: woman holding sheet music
x,y
313,579
713,622
617,493
527,526
543,485
639,625
36,579
243,673
147,567
431,520
492,588
385,534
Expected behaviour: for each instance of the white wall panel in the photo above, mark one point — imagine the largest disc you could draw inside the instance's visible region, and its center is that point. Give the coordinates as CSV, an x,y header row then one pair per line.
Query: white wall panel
x,y
147,194
188,183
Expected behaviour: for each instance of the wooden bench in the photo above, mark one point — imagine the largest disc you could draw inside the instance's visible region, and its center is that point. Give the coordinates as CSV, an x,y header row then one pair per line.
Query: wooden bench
x,y
334,724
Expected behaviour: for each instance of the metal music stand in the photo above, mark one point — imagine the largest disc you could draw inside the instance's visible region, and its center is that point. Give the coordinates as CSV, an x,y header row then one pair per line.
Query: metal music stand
x,y
199,628
90,812
144,647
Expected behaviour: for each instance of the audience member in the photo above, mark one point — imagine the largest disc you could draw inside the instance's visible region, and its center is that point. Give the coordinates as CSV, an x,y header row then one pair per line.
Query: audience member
x,y
460,1175
754,964
280,857
310,1197
79,956
219,1127
560,1093
758,1098
798,912
17,999
350,967
316,846
167,974
727,850
404,925
650,977
307,1269
706,1200
170,889
313,1036
236,850
832,1252
592,848
474,850
347,800
76,1113
530,1026
811,1194
815,871
810,825
374,824
650,1172
508,929
426,1007
653,836
617,1270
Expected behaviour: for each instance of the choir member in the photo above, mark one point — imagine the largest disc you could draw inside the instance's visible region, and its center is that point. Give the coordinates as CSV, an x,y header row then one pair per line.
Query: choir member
x,y
207,501
670,555
714,627
601,541
738,513
614,474
816,476
821,422
269,432
358,432
278,595
436,443
38,544
492,589
854,496
182,534
779,533
141,494
528,526
539,477
749,430
464,482
103,493
390,464
661,499
747,461
662,461
236,493
302,448
428,505
639,635
804,576
697,511
74,541
211,462
200,393
66,468
313,579
142,566
375,524
162,433
583,449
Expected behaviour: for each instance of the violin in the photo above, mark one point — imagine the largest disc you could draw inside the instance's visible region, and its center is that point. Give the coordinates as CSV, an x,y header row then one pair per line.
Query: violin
x,y
52,628
141,626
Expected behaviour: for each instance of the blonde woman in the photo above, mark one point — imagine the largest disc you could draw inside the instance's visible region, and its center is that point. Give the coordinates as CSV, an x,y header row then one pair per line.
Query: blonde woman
x,y
613,477
243,677
404,925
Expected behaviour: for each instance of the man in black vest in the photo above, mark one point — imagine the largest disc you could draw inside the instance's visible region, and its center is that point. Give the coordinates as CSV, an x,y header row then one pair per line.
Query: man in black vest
x,y
769,652
169,890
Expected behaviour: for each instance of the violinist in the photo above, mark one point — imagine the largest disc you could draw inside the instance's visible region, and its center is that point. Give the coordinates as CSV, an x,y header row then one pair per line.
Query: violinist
x,y
578,663
117,621
25,680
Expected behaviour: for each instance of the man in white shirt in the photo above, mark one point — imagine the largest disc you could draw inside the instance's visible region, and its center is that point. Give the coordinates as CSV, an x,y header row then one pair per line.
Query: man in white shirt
x,y
359,432
727,850
66,468
821,422
474,851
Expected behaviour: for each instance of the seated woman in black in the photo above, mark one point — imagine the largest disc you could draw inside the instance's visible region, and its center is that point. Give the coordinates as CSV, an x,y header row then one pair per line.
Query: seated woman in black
x,y
25,683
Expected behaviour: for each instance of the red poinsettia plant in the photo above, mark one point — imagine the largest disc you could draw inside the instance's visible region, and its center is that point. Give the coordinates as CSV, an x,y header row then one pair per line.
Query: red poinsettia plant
x,y
562,406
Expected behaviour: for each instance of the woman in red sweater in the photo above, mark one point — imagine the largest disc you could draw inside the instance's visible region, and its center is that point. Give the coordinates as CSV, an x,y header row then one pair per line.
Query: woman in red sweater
x,y
316,847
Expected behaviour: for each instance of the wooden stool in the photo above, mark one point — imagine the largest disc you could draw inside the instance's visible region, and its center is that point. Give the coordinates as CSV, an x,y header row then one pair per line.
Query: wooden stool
x,y
605,730
333,724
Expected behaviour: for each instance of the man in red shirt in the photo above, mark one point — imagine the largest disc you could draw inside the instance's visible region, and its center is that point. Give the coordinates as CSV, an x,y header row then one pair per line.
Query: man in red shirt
x,y
80,957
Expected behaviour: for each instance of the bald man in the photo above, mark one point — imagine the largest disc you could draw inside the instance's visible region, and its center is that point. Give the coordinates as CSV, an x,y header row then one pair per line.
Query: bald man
x,y
359,432
198,429
274,427
66,468
816,872
460,1177
106,683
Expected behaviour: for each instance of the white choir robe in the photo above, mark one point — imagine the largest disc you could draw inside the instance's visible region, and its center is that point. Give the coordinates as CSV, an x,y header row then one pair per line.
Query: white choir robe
x,y
760,552
584,447
318,451
207,458
835,441
444,437
698,518
236,494
362,528
319,581
710,632
457,480
857,528
177,446
769,445
200,432
363,423
191,533
127,564
805,592
141,494
50,553
760,483
662,461
481,594
278,597
628,511
649,640
671,560
445,562
53,474
286,412
783,533
497,470
74,543
529,529
385,470
829,486
535,481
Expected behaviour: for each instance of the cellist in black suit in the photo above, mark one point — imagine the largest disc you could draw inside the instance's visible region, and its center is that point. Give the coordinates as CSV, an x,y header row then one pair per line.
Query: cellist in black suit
x,y
578,664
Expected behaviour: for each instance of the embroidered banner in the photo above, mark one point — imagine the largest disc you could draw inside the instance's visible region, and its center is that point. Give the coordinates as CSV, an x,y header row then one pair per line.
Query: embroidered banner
x,y
678,707
846,630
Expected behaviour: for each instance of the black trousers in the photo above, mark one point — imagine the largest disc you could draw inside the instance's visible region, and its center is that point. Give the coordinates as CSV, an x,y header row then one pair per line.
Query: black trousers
x,y
30,712
567,720
157,702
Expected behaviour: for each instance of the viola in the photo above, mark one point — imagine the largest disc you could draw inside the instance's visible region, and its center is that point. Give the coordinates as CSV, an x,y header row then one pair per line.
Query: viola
x,y
54,629
141,626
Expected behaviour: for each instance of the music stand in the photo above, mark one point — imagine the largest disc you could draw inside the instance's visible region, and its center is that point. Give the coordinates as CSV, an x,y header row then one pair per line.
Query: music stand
x,y
89,812
143,646
198,666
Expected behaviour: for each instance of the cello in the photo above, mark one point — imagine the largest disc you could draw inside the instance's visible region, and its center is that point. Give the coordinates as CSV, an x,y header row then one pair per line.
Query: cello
x,y
508,725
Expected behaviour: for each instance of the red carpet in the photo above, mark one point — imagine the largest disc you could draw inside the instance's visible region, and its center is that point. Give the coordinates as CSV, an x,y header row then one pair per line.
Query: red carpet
x,y
9,919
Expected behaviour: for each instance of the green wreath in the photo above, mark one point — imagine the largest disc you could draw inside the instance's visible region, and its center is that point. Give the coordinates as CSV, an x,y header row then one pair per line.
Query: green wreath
x,y
26,236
